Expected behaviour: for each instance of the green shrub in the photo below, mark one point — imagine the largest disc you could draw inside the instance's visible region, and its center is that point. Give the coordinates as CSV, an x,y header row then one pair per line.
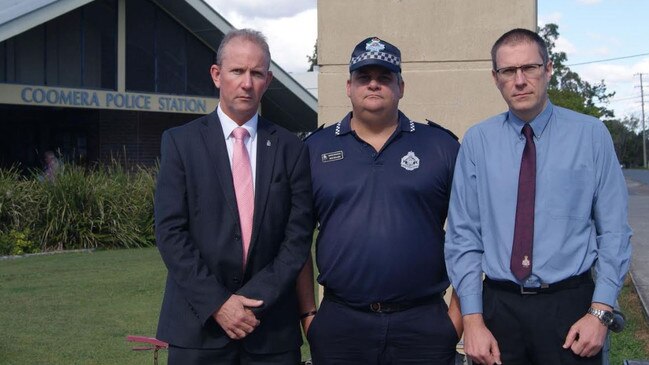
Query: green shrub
x,y
106,206
6,245
16,243
17,200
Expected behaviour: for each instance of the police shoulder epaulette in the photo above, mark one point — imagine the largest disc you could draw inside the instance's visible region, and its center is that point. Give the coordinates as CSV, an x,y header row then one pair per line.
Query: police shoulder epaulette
x,y
435,125
313,132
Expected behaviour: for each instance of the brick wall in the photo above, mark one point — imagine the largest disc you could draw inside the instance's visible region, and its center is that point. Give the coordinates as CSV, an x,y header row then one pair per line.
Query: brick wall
x,y
135,136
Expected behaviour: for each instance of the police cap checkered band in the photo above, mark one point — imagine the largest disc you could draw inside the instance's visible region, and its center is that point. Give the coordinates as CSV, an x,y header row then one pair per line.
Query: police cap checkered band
x,y
377,52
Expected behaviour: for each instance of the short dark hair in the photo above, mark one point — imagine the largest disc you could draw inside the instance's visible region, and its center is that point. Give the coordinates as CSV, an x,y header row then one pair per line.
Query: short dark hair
x,y
517,36
250,35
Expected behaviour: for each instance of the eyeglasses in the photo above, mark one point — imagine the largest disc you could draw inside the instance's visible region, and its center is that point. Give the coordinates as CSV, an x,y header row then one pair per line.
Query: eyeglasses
x,y
532,70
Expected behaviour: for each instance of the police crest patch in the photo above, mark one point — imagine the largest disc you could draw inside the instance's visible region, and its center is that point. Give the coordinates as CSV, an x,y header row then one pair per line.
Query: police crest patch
x,y
374,45
410,161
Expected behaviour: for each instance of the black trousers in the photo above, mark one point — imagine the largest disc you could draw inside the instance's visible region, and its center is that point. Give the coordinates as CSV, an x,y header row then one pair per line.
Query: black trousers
x,y
231,354
420,335
531,329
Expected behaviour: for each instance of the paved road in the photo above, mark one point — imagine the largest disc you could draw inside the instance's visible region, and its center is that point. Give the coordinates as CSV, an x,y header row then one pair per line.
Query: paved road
x,y
638,184
637,175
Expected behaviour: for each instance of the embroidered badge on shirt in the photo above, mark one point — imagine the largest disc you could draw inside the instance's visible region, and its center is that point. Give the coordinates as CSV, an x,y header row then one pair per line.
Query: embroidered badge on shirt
x,y
332,156
410,161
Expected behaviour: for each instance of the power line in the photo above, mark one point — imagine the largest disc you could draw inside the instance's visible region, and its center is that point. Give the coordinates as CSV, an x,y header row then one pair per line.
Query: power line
x,y
614,99
609,59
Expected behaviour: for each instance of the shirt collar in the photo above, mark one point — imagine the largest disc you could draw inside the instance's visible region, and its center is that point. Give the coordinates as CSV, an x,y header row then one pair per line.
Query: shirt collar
x,y
344,126
229,125
538,124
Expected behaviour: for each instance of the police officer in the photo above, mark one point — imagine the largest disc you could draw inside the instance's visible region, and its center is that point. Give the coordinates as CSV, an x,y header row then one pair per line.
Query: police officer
x,y
381,186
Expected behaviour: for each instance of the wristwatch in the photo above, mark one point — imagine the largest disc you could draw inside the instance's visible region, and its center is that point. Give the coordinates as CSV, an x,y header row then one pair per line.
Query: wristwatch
x,y
605,317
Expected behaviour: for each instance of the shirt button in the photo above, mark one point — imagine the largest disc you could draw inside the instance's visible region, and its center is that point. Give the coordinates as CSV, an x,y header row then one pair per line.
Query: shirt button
x,y
236,280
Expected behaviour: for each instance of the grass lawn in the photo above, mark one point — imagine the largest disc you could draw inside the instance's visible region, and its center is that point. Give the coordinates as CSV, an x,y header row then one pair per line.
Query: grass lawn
x,y
77,308
633,342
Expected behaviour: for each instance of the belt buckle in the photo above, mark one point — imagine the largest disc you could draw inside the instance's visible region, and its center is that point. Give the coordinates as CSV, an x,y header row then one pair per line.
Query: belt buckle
x,y
525,292
375,307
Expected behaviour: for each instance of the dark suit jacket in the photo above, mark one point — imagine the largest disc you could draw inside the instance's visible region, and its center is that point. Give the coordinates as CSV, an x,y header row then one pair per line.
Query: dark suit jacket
x,y
199,238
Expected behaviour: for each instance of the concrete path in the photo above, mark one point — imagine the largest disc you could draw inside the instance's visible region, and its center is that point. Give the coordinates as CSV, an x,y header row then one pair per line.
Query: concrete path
x,y
638,184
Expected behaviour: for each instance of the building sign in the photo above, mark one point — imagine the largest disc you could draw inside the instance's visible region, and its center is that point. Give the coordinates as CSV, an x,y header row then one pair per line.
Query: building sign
x,y
102,99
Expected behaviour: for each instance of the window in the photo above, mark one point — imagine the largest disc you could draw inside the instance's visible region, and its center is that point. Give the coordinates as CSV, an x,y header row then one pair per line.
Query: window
x,y
76,49
162,56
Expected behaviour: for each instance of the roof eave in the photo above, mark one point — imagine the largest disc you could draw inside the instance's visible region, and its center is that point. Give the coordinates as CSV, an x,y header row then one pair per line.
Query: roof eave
x,y
38,16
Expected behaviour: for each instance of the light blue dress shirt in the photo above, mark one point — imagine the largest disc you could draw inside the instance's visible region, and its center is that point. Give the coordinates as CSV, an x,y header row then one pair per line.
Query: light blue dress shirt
x,y
580,214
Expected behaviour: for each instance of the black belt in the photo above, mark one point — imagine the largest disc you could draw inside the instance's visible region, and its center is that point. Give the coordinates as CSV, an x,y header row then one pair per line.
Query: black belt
x,y
383,307
569,283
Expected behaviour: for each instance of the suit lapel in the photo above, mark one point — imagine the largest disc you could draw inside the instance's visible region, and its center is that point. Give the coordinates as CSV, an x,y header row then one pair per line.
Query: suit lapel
x,y
218,153
266,151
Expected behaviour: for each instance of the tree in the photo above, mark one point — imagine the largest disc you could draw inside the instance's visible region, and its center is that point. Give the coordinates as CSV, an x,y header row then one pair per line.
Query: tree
x,y
313,59
566,87
628,143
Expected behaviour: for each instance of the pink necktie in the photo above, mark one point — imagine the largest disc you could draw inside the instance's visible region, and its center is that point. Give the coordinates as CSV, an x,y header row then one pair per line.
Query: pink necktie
x,y
243,187
521,260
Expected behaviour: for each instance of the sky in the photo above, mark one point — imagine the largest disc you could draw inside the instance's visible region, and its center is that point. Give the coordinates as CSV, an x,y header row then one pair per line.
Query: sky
x,y
291,26
589,30
594,30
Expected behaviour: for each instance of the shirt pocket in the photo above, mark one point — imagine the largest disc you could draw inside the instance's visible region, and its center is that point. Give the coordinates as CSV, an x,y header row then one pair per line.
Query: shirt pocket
x,y
571,193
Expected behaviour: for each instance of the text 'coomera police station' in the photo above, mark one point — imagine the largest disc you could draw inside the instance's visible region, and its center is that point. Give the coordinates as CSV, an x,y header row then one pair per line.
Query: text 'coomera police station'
x,y
111,100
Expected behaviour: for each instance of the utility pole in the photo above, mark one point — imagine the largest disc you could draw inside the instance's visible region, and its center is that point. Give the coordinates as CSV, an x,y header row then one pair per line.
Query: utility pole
x,y
644,136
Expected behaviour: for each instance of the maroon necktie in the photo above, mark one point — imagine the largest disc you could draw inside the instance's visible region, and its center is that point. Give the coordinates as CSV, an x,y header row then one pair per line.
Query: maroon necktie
x,y
521,261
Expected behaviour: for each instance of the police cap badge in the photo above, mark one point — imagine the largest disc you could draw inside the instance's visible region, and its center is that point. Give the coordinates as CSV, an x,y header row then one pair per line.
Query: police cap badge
x,y
377,52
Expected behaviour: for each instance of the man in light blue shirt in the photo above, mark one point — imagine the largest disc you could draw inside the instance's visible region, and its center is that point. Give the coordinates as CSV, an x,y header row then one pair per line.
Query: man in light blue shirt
x,y
559,312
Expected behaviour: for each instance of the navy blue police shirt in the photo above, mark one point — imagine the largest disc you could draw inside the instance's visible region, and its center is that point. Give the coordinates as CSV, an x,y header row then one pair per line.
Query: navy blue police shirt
x,y
381,214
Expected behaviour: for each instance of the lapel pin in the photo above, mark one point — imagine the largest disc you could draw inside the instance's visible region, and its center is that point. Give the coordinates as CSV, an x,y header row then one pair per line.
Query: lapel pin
x,y
267,143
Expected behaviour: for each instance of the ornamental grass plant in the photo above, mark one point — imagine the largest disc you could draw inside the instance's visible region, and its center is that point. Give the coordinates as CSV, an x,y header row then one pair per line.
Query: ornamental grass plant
x,y
16,199
107,206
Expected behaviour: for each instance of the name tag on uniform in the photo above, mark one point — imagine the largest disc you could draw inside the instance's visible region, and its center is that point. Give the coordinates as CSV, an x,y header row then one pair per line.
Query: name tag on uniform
x,y
332,156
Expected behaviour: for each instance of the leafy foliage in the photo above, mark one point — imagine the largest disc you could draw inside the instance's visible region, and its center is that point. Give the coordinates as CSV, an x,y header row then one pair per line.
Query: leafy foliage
x,y
313,59
628,144
566,87
107,206
16,243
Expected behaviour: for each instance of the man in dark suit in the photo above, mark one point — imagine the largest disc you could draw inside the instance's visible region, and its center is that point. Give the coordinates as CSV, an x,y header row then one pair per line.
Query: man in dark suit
x,y
233,222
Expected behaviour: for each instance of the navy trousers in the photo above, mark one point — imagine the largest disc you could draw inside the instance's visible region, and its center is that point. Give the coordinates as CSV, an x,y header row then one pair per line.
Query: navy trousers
x,y
231,354
419,335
